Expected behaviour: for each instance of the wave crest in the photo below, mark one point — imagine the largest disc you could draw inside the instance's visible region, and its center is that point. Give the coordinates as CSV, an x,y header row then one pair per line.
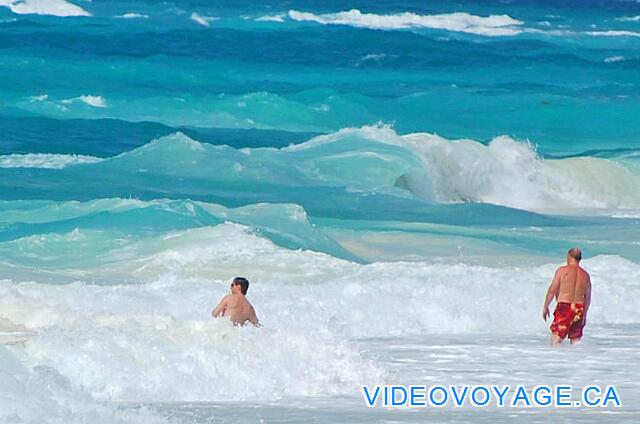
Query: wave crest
x,y
45,160
510,173
44,7
493,25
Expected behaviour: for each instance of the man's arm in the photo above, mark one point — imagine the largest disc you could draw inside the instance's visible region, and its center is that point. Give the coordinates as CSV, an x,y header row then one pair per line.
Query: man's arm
x,y
551,293
587,299
222,306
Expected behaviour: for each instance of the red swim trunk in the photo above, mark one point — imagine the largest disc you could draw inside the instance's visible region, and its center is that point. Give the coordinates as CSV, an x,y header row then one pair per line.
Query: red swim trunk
x,y
568,319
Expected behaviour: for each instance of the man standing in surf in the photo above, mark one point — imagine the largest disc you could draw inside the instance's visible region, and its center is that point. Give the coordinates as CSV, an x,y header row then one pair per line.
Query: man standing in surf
x,y
571,287
236,306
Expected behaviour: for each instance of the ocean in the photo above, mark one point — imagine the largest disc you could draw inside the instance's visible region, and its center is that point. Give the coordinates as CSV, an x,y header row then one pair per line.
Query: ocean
x,y
398,181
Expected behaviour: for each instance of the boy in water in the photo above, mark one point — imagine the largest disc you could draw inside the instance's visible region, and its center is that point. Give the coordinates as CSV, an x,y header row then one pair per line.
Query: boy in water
x,y
236,306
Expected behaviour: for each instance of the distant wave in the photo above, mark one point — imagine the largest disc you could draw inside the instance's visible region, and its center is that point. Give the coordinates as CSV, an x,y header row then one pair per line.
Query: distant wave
x,y
573,33
132,16
493,25
614,59
203,20
613,33
95,101
629,19
45,160
44,7
89,99
271,18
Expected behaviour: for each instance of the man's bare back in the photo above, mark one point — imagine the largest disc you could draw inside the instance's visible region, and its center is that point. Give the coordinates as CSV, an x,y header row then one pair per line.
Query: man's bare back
x,y
574,282
236,306
571,287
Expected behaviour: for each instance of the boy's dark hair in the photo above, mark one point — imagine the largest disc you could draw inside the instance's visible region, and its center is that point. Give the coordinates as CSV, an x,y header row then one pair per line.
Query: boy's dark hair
x,y
243,282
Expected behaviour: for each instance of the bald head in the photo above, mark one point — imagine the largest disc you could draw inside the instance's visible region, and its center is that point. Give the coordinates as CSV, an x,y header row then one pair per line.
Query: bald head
x,y
575,253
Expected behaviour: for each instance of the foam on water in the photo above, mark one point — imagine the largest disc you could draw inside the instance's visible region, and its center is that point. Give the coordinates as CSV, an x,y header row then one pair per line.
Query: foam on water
x,y
154,341
45,160
629,19
271,18
613,33
42,394
614,59
203,20
44,7
510,173
133,15
494,25
94,101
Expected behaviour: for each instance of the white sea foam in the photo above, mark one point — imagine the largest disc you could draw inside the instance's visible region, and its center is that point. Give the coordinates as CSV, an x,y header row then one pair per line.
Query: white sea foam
x,y
613,33
271,18
203,20
45,160
44,7
162,334
41,394
94,101
572,33
156,341
372,57
39,98
629,19
614,59
510,173
132,15
493,25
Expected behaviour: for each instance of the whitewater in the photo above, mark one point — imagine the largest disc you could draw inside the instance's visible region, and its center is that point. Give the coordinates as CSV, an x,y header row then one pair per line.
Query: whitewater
x,y
399,183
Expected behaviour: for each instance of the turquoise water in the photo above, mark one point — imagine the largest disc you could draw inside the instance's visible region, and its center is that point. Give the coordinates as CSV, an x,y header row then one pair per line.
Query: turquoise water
x,y
149,152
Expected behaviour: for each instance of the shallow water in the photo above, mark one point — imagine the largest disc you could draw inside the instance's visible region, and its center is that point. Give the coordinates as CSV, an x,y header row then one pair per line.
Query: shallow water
x,y
451,360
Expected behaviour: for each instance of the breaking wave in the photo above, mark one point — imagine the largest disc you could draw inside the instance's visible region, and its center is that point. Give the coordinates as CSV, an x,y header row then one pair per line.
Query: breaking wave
x,y
154,341
371,160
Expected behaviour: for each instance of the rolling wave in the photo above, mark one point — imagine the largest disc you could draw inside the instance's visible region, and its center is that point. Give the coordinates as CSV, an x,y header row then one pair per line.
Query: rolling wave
x,y
352,163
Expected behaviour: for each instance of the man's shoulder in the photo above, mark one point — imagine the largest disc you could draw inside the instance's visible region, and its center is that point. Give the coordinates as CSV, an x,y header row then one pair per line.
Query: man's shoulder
x,y
585,273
